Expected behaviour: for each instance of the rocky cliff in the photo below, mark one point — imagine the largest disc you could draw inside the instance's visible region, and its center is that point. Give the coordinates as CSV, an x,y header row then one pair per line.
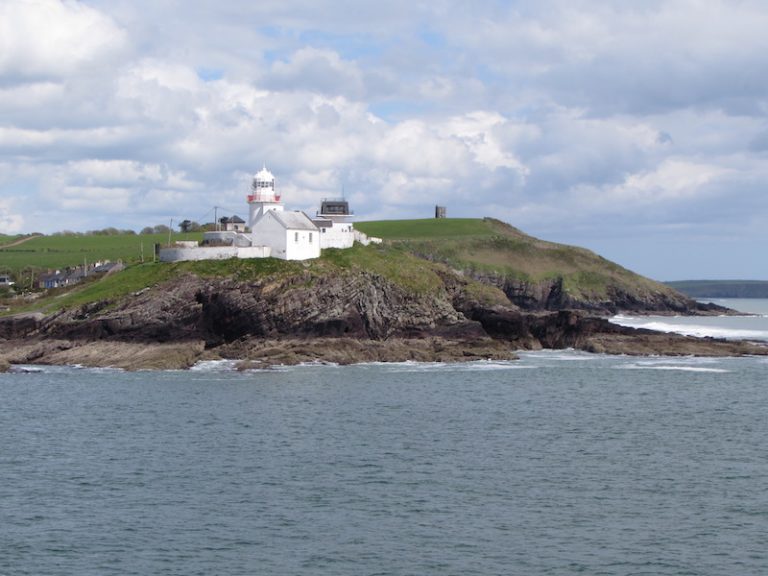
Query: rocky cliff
x,y
323,311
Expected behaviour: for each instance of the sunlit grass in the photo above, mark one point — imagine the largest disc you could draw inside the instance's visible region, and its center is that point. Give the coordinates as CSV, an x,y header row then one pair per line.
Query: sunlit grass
x,y
60,251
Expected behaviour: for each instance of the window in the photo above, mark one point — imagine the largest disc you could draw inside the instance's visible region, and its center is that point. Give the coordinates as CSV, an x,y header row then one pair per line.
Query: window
x,y
296,237
310,237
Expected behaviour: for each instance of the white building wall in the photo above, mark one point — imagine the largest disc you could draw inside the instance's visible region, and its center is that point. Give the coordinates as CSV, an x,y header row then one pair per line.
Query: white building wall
x,y
340,235
179,253
254,252
286,243
302,244
258,209
269,232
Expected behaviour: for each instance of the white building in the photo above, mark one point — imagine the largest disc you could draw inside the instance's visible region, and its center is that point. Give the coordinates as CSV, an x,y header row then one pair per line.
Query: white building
x,y
273,231
290,235
334,220
232,223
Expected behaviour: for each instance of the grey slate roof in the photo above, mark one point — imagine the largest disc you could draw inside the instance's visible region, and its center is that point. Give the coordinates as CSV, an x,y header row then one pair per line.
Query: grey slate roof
x,y
294,220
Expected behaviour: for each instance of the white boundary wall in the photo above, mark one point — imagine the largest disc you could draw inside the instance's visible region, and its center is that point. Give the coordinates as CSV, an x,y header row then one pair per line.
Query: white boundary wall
x,y
364,239
184,253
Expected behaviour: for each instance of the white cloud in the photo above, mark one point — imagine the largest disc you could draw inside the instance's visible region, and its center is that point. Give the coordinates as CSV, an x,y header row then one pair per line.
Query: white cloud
x,y
673,180
316,70
568,117
11,222
30,140
478,131
54,38
31,96
114,171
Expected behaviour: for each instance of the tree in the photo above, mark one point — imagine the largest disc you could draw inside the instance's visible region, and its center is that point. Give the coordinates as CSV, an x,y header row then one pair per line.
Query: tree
x,y
157,229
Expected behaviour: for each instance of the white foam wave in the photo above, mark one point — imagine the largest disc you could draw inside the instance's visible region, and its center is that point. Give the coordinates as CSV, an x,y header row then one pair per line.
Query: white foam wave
x,y
58,368
214,366
686,360
698,330
568,355
29,369
681,368
474,366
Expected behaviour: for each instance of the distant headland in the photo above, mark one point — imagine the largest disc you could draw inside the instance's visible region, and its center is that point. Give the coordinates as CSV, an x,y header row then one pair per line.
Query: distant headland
x,y
721,288
434,290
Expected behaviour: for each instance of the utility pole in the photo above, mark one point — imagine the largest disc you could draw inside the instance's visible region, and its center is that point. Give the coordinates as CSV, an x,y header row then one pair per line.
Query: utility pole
x,y
170,229
216,218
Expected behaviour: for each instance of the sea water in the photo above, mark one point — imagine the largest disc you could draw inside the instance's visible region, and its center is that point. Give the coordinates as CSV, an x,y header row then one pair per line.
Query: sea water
x,y
559,463
751,325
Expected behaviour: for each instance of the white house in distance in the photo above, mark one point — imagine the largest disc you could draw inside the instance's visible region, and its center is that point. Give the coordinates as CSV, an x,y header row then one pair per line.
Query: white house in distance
x,y
274,231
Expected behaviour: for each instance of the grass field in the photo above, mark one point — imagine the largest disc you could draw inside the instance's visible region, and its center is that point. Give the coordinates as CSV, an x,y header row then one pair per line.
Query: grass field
x,y
432,228
56,252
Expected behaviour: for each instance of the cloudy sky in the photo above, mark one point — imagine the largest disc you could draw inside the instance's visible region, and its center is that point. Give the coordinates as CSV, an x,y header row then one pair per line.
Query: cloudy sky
x,y
636,129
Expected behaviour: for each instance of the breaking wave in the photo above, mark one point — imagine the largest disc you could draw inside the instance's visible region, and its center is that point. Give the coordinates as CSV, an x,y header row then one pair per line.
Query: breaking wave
x,y
727,327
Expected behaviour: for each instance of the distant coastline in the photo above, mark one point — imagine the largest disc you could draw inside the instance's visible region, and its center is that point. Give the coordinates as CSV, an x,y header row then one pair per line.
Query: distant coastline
x,y
721,288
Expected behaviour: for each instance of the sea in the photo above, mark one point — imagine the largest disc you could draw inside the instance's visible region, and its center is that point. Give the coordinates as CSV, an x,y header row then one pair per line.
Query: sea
x,y
561,462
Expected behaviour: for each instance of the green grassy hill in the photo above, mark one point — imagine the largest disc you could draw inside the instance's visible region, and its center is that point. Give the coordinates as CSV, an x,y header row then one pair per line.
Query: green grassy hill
x,y
528,269
502,264
392,263
429,228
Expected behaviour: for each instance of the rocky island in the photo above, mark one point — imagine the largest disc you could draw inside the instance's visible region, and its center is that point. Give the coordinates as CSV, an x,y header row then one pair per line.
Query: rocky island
x,y
440,292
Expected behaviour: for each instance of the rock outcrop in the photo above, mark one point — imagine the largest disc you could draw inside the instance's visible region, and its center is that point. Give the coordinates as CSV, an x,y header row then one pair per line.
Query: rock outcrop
x,y
350,316
550,295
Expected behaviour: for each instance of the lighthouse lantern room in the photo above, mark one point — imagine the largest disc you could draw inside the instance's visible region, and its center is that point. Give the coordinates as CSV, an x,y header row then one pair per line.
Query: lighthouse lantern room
x,y
263,197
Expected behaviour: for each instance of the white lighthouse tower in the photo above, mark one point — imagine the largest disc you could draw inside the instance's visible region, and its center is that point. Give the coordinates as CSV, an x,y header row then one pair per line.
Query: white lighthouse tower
x,y
262,198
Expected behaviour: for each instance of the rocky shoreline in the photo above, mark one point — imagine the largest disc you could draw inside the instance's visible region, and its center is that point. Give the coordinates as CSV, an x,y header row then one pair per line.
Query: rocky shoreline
x,y
350,317
565,330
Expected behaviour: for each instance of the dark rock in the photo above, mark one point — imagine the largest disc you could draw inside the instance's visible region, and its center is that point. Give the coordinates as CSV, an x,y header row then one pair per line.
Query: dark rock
x,y
352,316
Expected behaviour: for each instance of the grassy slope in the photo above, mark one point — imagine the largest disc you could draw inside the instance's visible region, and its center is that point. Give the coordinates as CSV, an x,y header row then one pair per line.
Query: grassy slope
x,y
393,263
493,247
480,245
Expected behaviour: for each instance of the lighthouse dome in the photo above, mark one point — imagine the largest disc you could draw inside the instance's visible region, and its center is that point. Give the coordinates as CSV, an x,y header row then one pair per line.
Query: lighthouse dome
x,y
263,179
264,175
